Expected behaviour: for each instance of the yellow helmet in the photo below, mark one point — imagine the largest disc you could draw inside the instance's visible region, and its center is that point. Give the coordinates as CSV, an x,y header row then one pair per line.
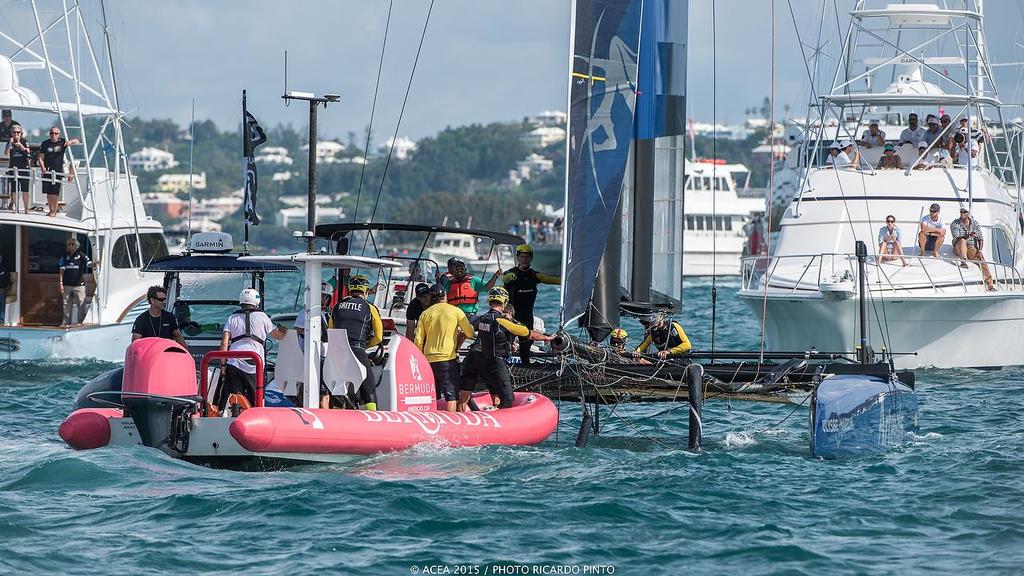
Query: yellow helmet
x,y
358,284
620,334
524,249
498,294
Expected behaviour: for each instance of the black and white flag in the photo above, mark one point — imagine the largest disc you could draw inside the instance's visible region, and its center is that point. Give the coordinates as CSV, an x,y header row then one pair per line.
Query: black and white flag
x,y
254,136
254,133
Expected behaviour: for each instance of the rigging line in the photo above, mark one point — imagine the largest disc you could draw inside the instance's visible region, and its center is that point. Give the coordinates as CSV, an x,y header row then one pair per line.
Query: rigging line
x,y
771,181
714,176
373,108
401,114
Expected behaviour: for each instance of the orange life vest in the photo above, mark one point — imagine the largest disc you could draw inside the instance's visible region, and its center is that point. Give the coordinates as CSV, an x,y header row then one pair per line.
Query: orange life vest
x,y
462,292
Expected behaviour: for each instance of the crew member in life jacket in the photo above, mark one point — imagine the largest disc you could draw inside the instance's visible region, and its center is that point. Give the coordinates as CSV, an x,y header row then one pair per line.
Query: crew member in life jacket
x,y
464,289
495,332
521,283
668,337
245,329
361,320
438,334
326,293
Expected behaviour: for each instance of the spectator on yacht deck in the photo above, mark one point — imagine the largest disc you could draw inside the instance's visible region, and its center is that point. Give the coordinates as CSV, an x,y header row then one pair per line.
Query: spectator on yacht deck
x,y
967,244
7,124
931,226
872,136
922,151
946,131
890,160
51,161
838,156
932,133
18,154
889,241
72,269
966,149
913,133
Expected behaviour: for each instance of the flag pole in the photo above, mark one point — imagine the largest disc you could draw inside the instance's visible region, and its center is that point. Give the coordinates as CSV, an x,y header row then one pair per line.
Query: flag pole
x,y
245,171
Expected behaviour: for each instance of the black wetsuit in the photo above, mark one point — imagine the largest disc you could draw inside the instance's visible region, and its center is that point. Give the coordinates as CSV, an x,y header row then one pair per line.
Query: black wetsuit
x,y
495,347
522,288
354,315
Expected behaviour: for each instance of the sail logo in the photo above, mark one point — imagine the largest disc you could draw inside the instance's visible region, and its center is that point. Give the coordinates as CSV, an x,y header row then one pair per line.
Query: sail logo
x,y
414,367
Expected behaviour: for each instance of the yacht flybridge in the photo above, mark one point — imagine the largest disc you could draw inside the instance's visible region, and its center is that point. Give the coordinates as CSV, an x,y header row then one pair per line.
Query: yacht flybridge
x,y
55,70
937,310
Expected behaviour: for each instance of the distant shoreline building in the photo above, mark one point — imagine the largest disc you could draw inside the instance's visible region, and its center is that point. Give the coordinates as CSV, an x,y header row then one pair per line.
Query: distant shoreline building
x,y
149,159
177,183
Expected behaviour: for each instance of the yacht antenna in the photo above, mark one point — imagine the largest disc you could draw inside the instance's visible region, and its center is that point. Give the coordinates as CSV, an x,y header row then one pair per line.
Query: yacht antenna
x,y
314,103
191,172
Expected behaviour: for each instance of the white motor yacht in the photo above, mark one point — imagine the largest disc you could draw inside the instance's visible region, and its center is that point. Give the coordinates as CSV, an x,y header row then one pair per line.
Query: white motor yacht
x,y
716,218
99,203
937,310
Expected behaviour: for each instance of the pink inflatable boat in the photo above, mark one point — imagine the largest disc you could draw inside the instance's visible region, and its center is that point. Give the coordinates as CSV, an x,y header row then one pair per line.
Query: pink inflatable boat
x,y
161,405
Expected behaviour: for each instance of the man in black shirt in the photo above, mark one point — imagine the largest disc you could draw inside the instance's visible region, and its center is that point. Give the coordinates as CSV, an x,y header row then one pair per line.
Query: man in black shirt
x,y
73,267
7,123
51,161
412,314
157,322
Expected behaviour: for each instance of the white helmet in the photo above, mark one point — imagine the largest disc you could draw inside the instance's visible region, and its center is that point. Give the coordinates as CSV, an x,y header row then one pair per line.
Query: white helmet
x,y
250,296
326,289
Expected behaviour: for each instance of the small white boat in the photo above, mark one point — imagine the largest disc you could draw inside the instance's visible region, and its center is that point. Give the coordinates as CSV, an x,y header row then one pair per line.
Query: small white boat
x,y
717,219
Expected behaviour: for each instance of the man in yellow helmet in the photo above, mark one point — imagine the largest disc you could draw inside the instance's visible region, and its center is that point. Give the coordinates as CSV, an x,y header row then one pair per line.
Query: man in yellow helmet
x,y
495,332
521,283
618,339
667,336
361,321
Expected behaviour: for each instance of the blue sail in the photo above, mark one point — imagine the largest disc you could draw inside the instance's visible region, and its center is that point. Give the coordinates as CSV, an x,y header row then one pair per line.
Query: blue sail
x,y
602,96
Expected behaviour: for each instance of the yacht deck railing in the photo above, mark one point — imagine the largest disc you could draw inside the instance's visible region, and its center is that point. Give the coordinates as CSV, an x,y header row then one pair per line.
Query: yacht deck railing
x,y
759,271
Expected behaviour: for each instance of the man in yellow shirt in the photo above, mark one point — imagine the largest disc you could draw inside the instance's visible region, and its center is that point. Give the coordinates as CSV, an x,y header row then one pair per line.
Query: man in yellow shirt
x,y
668,337
437,335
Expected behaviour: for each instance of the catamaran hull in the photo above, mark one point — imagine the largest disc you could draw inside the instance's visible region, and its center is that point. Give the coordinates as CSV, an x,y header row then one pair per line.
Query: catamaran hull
x,y
105,343
972,331
854,415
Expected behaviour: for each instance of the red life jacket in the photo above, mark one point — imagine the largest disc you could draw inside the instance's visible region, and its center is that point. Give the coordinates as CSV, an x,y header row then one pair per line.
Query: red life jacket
x,y
462,292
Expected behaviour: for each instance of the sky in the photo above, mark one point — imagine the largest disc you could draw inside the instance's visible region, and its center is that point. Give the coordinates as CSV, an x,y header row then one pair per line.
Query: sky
x,y
481,60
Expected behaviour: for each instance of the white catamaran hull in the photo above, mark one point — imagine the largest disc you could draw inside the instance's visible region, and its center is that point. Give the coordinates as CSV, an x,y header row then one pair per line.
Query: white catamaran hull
x,y
979,331
106,342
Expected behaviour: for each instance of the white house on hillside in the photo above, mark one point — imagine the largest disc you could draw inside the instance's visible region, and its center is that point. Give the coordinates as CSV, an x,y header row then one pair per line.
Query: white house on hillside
x,y
549,118
403,147
149,159
327,151
274,155
543,136
179,182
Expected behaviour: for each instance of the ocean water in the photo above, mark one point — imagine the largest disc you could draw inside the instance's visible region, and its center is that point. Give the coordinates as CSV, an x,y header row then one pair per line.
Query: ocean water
x,y
633,502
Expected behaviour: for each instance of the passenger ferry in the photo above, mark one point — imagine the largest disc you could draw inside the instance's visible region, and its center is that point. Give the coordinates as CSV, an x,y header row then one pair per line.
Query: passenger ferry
x,y
717,218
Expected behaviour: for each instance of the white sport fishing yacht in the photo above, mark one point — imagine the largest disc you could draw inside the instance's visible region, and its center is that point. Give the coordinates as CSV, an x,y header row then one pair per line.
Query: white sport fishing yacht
x,y
63,78
716,221
936,311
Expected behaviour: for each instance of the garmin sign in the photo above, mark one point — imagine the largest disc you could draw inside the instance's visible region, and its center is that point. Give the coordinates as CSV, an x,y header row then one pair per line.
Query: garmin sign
x,y
218,242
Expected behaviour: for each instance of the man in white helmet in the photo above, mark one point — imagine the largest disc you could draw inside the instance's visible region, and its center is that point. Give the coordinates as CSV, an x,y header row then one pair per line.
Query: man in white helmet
x,y
245,329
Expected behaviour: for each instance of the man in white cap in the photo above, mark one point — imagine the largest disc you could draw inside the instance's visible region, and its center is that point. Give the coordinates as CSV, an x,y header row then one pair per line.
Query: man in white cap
x,y
966,149
872,136
836,157
922,151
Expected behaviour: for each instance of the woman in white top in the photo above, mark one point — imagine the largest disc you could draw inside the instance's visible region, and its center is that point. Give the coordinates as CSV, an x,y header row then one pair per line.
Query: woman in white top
x,y
889,241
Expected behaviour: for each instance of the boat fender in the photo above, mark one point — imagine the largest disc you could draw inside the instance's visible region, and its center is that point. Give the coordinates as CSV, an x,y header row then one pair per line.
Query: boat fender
x,y
88,428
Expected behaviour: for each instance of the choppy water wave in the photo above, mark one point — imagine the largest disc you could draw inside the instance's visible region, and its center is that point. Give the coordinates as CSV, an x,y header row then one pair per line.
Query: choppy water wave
x,y
753,502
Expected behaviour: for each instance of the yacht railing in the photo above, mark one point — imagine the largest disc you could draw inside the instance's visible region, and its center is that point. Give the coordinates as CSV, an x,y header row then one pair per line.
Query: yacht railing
x,y
9,191
759,271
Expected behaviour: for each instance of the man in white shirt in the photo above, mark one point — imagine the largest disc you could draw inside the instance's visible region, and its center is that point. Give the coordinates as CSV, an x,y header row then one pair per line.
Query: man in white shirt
x,y
967,150
913,133
931,226
839,154
872,136
246,329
